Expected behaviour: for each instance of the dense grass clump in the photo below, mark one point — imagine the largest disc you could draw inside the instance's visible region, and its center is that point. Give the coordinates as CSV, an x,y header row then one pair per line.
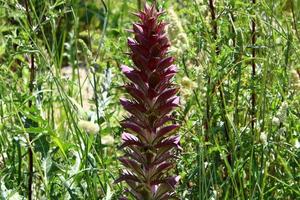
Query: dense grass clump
x,y
60,84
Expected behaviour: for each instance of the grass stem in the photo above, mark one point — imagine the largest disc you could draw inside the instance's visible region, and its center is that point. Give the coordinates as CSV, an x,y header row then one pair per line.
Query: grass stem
x,y
31,87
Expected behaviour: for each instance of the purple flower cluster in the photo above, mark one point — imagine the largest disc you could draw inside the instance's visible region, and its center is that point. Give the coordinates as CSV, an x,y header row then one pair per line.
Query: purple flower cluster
x,y
149,140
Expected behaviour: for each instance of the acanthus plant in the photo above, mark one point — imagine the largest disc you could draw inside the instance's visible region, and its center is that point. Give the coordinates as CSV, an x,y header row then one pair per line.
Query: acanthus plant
x,y
149,140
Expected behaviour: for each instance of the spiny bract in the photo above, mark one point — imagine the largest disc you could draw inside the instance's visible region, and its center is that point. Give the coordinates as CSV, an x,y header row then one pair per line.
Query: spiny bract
x,y
149,141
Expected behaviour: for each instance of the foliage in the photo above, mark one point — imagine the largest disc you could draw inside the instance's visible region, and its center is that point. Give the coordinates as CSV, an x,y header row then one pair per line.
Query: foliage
x,y
60,84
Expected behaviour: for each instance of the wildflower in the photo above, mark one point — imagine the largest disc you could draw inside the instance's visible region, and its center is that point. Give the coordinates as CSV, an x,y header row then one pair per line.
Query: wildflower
x,y
88,126
187,88
278,41
149,141
282,112
295,79
107,140
294,75
263,138
188,84
176,31
276,121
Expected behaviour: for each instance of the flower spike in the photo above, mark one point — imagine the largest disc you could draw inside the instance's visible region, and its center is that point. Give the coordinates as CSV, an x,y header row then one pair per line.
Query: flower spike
x,y
149,138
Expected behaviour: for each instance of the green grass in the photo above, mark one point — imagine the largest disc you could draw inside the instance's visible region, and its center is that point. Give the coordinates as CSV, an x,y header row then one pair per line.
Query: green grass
x,y
240,128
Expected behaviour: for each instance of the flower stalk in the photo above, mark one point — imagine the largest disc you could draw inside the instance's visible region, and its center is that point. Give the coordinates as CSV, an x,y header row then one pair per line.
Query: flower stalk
x,y
149,139
31,88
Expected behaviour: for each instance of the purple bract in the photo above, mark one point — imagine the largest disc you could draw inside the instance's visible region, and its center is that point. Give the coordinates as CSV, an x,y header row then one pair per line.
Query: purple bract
x,y
149,141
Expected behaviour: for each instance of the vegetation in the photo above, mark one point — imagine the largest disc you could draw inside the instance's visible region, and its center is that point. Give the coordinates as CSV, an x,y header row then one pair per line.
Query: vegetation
x,y
60,84
149,140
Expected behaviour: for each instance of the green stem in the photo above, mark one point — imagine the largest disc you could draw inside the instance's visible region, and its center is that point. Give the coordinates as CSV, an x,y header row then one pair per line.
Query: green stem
x,y
31,87
253,64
